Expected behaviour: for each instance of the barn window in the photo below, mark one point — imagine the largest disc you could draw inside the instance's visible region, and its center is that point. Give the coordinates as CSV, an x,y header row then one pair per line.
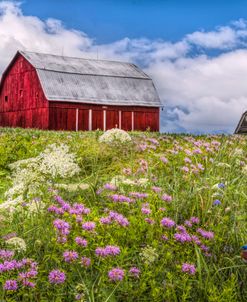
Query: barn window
x,y
21,93
36,95
6,98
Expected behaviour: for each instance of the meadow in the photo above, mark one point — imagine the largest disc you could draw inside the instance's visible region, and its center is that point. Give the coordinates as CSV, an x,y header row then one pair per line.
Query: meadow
x,y
123,217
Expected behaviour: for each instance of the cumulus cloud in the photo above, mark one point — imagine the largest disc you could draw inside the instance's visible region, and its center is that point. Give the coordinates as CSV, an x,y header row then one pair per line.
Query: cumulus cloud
x,y
200,92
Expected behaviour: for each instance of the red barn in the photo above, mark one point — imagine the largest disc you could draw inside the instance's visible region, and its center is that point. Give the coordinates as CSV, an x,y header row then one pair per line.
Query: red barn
x,y
62,93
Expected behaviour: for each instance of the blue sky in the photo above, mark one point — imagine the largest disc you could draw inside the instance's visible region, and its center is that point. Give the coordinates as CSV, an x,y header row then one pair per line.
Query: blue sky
x,y
195,51
109,20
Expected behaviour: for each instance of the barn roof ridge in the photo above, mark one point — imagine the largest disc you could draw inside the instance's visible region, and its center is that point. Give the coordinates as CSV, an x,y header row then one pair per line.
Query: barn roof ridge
x,y
136,71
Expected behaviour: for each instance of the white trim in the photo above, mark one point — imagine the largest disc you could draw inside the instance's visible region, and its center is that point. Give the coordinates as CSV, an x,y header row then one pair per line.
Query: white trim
x,y
104,120
90,119
132,121
76,119
120,119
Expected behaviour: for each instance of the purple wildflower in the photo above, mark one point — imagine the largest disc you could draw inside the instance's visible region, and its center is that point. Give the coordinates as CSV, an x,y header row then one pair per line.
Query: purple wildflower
x,y
185,169
57,277
146,211
217,202
81,241
205,234
184,237
156,189
61,226
164,159
134,271
138,195
70,256
149,221
85,261
6,254
166,198
105,220
194,220
110,187
168,222
109,250
221,185
28,283
11,285
189,268
116,274
164,237
88,226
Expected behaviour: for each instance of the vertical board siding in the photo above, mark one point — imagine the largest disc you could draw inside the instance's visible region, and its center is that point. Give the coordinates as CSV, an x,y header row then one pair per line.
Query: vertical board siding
x,y
126,120
83,119
112,119
97,119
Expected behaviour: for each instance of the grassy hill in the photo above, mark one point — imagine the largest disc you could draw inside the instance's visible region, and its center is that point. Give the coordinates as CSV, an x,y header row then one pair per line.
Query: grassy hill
x,y
157,218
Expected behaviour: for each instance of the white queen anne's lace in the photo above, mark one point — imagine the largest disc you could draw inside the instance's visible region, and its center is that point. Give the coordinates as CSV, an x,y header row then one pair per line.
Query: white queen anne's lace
x,y
17,244
115,135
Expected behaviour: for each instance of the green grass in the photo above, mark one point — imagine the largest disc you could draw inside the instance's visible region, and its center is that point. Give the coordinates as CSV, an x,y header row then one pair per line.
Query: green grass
x,y
221,274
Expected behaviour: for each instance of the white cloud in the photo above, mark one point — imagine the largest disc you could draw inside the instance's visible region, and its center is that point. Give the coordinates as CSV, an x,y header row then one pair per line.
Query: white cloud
x,y
223,38
200,93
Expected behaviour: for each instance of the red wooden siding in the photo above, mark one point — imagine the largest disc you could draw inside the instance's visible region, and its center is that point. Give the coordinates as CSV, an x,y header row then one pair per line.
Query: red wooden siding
x,y
112,119
83,119
126,120
22,101
143,117
97,119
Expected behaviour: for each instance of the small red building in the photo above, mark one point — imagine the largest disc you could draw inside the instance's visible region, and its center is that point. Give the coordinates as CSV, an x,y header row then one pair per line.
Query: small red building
x,y
62,93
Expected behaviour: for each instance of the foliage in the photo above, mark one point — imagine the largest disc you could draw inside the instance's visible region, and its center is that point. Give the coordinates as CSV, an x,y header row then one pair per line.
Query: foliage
x,y
162,218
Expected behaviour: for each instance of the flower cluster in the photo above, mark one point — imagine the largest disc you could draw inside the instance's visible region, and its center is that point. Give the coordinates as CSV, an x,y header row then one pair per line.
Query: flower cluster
x,y
109,250
115,135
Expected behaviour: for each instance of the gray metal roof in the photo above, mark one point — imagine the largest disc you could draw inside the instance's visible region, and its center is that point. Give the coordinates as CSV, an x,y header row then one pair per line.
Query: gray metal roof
x,y
93,81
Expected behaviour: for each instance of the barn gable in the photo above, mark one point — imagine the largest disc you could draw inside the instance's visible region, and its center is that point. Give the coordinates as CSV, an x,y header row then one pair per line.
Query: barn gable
x,y
93,81
242,125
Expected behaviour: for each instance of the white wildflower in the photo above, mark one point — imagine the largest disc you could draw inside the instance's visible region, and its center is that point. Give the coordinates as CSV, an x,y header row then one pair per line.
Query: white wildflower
x,y
17,244
10,205
244,170
238,152
31,174
35,206
57,161
73,187
115,135
148,255
224,165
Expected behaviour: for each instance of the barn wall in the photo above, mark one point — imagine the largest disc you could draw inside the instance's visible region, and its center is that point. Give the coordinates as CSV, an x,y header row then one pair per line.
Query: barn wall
x,y
22,101
62,116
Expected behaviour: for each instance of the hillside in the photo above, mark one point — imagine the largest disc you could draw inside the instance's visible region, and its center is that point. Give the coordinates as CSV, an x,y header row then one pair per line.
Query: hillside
x,y
156,218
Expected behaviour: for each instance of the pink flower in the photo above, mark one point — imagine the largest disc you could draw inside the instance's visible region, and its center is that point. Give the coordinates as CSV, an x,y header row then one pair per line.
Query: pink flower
x,y
70,256
81,241
116,274
189,268
85,261
57,277
88,226
146,211
166,198
134,271
168,222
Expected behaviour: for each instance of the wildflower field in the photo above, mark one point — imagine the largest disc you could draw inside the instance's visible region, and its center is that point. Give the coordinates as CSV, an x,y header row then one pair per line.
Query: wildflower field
x,y
122,217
